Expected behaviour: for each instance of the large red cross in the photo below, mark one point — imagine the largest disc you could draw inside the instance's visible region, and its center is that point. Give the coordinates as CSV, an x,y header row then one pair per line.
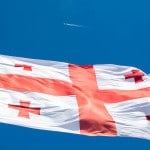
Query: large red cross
x,y
94,118
24,109
136,74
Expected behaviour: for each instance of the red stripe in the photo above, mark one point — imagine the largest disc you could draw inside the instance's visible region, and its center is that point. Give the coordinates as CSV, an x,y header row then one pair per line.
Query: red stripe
x,y
51,86
115,96
35,84
94,118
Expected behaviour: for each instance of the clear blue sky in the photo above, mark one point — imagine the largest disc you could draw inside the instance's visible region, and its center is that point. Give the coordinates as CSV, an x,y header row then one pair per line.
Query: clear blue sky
x,y
102,32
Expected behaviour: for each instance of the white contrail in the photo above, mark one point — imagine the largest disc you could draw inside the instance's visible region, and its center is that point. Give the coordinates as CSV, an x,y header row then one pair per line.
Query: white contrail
x,y
73,25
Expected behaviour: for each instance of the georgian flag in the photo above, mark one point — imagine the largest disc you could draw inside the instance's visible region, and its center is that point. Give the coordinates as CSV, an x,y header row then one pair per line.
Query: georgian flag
x,y
98,100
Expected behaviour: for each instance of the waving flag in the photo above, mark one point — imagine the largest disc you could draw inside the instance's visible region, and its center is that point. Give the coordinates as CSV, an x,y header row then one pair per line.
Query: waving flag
x,y
104,100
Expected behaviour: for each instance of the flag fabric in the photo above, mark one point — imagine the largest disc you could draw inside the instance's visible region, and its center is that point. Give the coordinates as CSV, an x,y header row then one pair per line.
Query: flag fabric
x,y
98,100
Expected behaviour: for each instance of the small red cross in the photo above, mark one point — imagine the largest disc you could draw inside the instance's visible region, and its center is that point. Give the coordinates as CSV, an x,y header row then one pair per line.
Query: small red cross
x,y
136,74
24,109
148,118
25,67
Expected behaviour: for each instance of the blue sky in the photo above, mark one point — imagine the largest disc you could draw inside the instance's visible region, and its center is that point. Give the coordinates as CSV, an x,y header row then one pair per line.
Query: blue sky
x,y
80,32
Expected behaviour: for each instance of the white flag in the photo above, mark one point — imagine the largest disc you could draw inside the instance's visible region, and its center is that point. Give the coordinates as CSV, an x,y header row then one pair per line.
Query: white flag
x,y
104,100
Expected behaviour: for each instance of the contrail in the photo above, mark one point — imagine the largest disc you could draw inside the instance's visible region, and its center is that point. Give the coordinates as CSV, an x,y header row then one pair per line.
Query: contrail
x,y
73,25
